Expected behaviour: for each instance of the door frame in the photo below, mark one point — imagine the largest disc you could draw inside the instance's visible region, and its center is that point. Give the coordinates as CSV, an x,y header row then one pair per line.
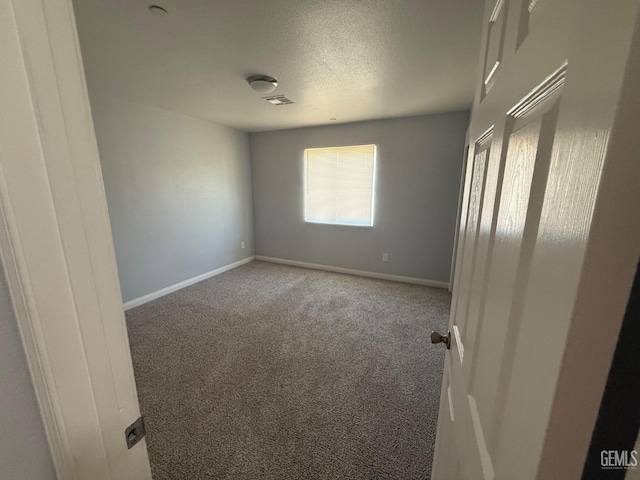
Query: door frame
x,y
57,248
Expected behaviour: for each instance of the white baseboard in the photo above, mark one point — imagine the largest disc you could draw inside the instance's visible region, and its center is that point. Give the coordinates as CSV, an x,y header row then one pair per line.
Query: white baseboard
x,y
360,273
190,281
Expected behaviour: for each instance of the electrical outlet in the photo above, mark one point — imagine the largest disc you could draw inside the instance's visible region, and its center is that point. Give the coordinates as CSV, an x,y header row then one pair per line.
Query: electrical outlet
x,y
385,257
241,244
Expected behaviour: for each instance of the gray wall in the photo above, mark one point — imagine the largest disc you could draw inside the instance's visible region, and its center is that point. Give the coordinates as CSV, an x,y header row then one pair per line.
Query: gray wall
x,y
24,451
178,190
418,175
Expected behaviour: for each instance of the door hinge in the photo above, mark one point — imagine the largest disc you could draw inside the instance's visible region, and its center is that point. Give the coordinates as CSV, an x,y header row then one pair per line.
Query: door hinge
x,y
134,432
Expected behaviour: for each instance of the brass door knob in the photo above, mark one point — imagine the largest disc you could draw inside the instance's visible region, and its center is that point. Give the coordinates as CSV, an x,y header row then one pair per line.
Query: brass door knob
x,y
439,338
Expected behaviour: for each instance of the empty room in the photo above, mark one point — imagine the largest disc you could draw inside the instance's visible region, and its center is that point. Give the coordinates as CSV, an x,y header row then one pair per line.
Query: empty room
x,y
319,239
283,197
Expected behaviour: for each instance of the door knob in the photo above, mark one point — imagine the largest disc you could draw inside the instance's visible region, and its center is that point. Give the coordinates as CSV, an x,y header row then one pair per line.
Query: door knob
x,y
439,338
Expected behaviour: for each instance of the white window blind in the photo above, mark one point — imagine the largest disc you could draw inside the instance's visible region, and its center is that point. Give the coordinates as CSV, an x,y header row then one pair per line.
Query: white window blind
x,y
339,185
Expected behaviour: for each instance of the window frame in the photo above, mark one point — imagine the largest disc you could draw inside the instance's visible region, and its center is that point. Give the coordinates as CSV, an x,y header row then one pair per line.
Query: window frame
x,y
373,185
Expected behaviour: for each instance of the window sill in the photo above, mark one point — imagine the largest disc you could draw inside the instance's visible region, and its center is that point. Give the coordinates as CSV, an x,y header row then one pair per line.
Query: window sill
x,y
338,224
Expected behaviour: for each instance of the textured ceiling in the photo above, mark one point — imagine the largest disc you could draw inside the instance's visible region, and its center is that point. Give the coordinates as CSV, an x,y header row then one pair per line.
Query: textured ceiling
x,y
348,59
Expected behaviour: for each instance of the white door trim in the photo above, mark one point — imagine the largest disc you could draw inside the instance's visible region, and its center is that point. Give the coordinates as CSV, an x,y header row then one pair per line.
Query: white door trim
x,y
56,246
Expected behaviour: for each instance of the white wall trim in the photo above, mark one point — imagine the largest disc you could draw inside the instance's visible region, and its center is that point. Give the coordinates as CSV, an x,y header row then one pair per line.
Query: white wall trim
x,y
185,283
360,273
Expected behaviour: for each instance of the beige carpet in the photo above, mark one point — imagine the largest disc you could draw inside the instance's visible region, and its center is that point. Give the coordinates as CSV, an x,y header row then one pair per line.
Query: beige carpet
x,y
276,372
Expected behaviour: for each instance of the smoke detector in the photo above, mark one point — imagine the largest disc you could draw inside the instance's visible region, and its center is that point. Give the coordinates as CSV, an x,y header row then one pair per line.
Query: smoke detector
x,y
262,83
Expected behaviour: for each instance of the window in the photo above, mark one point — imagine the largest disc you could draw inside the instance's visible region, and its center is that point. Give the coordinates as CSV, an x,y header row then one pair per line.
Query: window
x,y
339,185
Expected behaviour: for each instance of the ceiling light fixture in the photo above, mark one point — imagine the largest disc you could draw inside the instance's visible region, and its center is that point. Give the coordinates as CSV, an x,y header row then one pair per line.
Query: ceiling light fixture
x,y
262,83
158,11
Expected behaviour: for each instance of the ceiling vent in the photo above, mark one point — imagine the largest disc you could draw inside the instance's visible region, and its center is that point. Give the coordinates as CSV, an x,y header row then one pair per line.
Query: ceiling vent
x,y
278,100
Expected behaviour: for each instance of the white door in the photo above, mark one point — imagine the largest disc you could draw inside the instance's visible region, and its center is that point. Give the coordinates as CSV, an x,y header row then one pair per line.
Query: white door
x,y
542,272
56,247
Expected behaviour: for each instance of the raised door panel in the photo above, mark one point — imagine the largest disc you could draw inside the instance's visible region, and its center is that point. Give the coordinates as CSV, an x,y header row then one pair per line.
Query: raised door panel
x,y
445,464
531,12
462,228
495,44
532,131
469,314
476,196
